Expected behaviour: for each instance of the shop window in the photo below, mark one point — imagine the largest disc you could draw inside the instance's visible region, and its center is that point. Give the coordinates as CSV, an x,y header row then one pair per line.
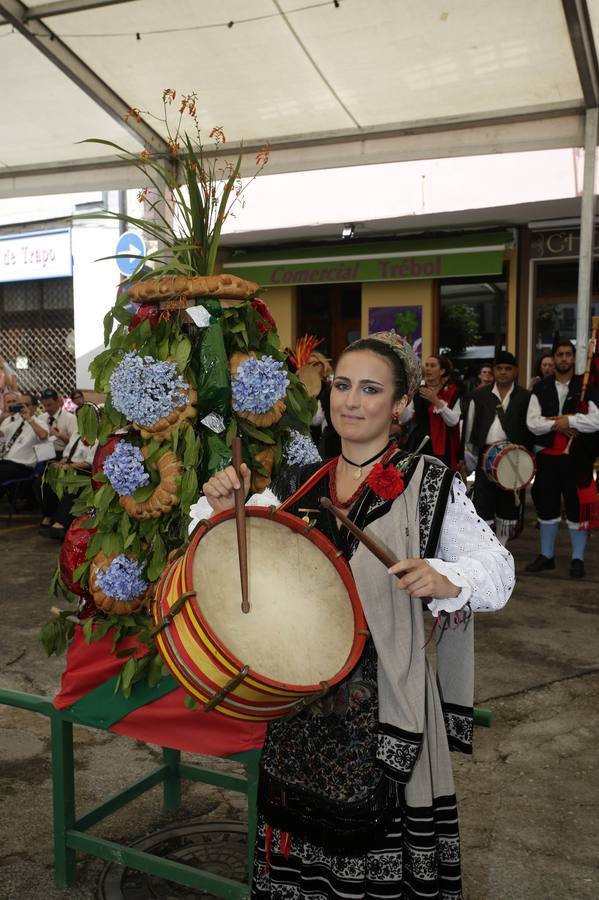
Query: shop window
x,y
556,303
472,316
58,293
332,312
22,296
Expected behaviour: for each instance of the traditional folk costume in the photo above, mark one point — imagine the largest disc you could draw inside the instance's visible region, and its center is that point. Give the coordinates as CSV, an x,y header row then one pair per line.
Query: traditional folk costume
x,y
560,474
356,794
490,419
440,425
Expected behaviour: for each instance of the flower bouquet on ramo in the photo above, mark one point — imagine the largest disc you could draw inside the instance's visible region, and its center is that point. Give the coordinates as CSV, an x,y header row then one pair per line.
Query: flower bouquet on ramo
x,y
194,361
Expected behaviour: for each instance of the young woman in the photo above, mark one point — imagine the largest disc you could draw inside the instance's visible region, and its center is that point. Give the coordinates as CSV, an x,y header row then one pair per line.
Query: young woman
x,y
436,412
356,793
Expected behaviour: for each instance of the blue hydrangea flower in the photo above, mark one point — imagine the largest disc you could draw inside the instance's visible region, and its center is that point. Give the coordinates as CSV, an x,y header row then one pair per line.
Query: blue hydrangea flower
x,y
124,468
258,384
122,579
301,450
146,389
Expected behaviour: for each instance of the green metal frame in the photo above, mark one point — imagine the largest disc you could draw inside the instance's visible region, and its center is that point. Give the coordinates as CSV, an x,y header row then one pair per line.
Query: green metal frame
x,y
70,832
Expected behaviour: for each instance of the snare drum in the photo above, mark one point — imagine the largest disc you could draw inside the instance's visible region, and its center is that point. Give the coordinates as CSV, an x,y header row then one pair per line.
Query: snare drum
x,y
305,630
510,466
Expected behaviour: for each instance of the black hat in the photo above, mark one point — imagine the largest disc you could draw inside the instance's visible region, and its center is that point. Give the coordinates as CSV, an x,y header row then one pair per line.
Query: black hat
x,y
505,358
49,394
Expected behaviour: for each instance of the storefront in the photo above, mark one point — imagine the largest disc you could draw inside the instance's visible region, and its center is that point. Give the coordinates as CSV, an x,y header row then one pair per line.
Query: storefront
x,y
455,292
36,308
549,289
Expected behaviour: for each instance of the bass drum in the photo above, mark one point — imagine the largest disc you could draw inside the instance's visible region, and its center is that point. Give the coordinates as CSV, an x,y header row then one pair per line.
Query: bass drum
x,y
510,466
305,630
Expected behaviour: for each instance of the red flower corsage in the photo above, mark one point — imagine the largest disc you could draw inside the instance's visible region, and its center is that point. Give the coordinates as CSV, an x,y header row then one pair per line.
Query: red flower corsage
x,y
268,323
386,481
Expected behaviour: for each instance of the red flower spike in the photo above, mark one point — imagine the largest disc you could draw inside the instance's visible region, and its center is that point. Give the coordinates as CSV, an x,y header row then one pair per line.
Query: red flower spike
x,y
268,323
72,554
386,481
149,311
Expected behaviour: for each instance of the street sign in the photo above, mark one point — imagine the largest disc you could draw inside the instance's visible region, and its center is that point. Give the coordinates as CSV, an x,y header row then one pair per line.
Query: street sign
x,y
132,247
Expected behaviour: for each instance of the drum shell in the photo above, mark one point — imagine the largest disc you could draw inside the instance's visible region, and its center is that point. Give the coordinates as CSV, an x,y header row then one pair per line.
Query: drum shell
x,y
495,453
199,659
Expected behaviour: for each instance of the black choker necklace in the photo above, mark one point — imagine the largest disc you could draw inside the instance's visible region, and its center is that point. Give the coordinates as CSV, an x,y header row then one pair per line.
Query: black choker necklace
x,y
360,466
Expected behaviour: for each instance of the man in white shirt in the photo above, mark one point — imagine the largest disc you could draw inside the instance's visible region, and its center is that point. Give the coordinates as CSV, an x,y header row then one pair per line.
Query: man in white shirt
x,y
57,512
60,423
566,431
497,412
20,432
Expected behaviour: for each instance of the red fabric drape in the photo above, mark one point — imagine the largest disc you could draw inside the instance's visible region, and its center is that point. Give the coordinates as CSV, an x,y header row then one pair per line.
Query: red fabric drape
x,y
166,721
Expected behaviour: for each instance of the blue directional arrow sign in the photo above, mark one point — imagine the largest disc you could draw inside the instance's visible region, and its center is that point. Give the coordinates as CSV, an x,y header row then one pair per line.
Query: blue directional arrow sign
x,y
133,248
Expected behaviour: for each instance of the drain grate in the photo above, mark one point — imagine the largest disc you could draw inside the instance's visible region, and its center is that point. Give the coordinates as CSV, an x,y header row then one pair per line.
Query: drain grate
x,y
219,847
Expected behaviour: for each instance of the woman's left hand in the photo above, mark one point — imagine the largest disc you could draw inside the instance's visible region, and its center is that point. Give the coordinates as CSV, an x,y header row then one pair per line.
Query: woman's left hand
x,y
420,580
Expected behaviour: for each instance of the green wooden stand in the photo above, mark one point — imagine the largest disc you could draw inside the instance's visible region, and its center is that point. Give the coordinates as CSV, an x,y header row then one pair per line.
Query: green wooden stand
x,y
70,832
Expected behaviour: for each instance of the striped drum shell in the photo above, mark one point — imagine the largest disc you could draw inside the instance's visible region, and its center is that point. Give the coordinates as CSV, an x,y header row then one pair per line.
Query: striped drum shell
x,y
305,630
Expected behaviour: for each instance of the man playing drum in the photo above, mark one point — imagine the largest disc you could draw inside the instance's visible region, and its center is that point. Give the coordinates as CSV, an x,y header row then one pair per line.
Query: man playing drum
x,y
356,793
566,436
497,412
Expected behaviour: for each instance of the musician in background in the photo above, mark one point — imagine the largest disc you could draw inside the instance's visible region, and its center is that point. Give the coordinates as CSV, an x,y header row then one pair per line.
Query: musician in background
x,y
566,432
20,432
497,412
435,412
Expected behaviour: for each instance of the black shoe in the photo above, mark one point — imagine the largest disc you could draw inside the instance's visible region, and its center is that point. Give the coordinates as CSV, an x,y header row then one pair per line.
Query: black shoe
x,y
577,569
57,534
44,529
540,564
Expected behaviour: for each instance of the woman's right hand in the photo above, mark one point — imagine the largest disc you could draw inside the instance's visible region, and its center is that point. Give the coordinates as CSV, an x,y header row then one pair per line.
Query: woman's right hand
x,y
220,489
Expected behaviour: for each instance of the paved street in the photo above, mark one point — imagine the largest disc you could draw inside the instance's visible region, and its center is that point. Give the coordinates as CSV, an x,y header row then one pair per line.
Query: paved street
x,y
528,796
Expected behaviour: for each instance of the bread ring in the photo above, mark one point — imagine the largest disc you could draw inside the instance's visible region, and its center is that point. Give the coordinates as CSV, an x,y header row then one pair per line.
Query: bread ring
x,y
266,458
111,604
229,287
261,420
164,497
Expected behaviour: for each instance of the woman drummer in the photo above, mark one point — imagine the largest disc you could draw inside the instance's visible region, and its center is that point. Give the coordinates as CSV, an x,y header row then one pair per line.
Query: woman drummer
x,y
356,794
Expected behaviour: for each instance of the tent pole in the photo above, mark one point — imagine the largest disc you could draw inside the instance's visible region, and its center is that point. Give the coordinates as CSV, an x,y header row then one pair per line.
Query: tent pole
x,y
587,222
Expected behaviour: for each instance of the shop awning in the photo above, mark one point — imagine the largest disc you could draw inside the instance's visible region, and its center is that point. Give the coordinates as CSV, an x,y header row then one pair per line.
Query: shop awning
x,y
479,254
328,82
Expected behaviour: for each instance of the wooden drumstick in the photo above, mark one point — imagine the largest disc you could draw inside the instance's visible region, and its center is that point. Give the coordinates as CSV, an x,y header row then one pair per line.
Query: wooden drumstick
x,y
242,548
372,545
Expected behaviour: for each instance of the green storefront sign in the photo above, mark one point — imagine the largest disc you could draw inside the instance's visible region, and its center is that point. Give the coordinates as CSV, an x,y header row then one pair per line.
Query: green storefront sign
x,y
482,255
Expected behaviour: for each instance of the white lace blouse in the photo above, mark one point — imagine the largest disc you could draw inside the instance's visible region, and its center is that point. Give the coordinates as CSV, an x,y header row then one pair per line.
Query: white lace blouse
x,y
468,554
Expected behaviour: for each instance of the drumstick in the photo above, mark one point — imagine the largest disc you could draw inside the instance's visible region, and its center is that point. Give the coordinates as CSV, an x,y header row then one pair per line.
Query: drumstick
x,y
372,545
242,548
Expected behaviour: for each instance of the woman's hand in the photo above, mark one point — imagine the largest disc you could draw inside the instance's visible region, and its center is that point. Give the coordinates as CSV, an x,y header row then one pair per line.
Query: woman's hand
x,y
421,580
220,489
430,394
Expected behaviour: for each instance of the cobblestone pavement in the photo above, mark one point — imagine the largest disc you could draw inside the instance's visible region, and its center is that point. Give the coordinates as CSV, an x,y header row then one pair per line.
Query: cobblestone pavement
x,y
528,796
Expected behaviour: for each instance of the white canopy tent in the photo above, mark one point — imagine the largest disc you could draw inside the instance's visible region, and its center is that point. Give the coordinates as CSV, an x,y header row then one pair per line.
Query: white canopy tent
x,y
328,83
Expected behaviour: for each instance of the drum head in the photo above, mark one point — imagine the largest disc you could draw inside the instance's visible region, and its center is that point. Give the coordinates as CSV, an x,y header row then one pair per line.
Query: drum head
x,y
300,628
514,468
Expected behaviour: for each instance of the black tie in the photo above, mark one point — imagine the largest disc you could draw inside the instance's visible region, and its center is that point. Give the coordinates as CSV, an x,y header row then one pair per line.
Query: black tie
x,y
51,421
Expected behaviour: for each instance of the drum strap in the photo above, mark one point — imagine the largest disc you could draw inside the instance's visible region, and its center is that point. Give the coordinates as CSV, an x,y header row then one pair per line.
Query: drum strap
x,y
501,416
308,484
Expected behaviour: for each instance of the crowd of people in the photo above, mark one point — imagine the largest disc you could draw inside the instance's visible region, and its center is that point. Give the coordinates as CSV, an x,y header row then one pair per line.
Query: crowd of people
x,y
467,430
37,432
